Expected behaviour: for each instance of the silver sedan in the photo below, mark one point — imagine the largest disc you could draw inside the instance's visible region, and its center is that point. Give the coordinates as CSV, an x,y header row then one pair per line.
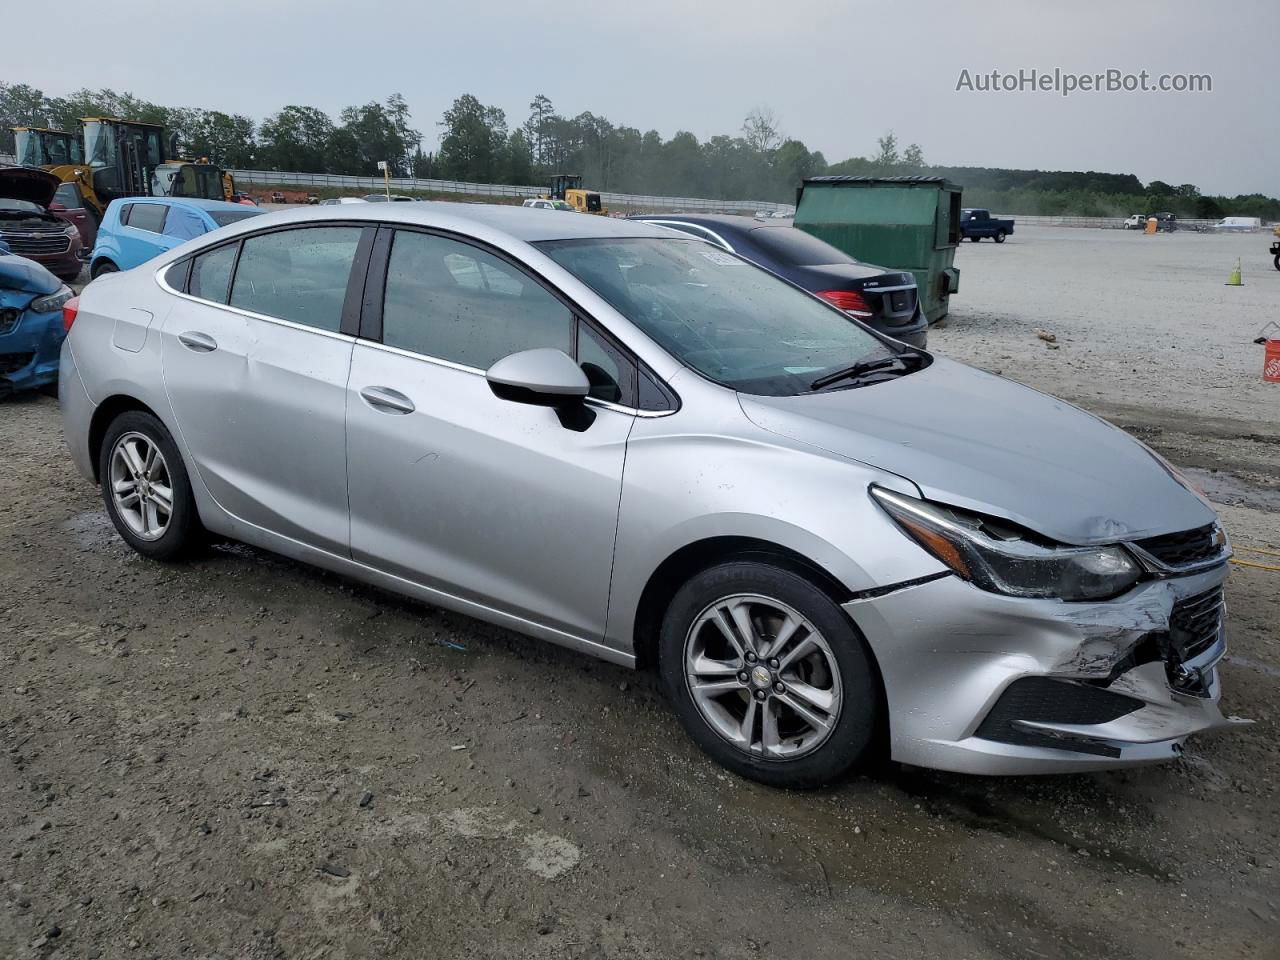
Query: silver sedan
x,y
644,448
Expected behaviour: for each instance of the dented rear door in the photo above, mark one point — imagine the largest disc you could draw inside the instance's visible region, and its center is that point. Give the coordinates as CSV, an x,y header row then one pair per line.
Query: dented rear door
x,y
258,383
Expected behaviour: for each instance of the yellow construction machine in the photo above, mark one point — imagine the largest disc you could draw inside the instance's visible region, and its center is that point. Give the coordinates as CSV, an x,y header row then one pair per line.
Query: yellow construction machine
x,y
568,187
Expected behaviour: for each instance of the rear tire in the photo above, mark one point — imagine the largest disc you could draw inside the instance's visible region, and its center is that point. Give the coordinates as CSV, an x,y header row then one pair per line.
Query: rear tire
x,y
146,488
1277,261
999,236
101,267
808,710
975,239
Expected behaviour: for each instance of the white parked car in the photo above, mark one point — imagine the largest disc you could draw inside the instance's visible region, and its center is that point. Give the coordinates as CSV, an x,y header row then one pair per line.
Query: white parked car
x,y
334,200
1136,222
540,203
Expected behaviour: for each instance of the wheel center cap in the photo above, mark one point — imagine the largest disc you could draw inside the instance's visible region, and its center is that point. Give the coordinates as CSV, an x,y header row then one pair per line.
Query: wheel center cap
x,y
761,677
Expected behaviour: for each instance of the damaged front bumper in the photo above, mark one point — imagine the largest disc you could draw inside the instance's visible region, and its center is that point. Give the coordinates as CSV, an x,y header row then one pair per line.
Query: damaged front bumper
x,y
978,682
29,345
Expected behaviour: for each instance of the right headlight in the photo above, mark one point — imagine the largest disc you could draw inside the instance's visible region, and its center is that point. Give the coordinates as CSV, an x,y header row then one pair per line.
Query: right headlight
x,y
51,302
998,556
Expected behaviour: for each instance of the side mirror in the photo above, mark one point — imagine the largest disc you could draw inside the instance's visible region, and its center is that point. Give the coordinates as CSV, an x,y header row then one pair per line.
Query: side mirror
x,y
545,377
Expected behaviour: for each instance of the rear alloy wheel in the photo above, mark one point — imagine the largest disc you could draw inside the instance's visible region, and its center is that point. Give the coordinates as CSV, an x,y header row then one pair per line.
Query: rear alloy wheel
x,y
146,489
768,675
101,267
1000,235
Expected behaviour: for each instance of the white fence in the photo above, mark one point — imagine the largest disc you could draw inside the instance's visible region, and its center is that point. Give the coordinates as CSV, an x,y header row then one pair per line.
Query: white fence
x,y
1104,222
359,185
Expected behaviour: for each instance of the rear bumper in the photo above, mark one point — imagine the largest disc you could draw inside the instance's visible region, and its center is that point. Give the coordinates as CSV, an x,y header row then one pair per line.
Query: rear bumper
x,y
77,411
915,332
29,354
987,684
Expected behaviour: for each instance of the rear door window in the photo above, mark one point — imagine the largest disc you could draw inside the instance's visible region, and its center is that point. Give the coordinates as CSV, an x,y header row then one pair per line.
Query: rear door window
x,y
297,275
147,216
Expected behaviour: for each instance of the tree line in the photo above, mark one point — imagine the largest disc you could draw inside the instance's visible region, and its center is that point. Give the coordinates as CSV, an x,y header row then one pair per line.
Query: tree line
x,y
479,144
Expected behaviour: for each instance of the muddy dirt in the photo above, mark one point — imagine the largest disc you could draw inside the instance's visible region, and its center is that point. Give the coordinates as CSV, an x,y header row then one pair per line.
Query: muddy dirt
x,y
243,758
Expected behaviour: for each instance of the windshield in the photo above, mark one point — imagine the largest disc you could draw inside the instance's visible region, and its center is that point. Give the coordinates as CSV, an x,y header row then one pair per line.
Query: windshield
x,y
794,247
99,145
224,217
731,321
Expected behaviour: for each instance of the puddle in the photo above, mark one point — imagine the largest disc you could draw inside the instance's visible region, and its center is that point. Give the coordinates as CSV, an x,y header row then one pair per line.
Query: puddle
x,y
979,811
92,530
1231,490
1249,664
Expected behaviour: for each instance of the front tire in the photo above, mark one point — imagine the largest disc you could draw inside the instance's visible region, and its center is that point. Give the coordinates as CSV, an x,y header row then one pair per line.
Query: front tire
x,y
101,267
768,676
146,488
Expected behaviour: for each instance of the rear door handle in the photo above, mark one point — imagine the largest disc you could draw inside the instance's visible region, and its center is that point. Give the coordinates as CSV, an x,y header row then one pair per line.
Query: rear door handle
x,y
386,400
197,341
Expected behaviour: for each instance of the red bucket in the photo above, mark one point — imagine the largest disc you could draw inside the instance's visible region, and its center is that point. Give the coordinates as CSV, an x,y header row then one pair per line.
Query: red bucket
x,y
1271,362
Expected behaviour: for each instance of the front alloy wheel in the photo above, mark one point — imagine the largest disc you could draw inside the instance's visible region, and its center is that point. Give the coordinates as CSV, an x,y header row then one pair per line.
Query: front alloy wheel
x,y
762,676
768,674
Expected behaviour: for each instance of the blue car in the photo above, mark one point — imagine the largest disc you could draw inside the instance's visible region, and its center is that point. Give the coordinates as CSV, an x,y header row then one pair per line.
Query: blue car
x,y
136,229
31,327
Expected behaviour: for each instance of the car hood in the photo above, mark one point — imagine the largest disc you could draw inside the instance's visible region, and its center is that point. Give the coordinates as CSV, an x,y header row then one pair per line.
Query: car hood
x,y
25,276
975,440
28,183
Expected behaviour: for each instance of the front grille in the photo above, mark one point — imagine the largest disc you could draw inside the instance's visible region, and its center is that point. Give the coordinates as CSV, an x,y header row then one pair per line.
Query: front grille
x,y
1045,700
1195,623
8,320
1185,548
13,362
39,244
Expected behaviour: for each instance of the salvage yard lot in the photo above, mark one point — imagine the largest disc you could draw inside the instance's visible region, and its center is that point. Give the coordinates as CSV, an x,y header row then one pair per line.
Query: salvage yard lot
x,y
245,758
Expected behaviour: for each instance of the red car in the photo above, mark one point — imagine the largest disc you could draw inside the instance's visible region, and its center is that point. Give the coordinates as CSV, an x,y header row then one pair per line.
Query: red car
x,y
30,228
68,203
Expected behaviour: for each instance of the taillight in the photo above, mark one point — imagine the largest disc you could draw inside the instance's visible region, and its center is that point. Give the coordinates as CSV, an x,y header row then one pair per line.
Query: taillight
x,y
850,301
69,310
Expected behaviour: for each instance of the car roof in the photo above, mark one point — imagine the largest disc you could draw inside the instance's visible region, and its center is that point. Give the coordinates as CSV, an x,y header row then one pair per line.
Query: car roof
x,y
515,221
722,220
186,202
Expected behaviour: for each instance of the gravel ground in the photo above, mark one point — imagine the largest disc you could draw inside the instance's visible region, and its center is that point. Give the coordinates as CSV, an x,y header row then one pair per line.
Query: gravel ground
x,y
243,758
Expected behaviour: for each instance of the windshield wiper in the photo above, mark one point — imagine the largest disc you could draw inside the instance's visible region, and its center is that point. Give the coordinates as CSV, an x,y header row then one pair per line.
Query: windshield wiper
x,y
864,367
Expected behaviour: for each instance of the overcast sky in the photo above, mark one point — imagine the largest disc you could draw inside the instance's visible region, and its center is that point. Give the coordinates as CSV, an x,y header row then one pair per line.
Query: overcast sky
x,y
837,73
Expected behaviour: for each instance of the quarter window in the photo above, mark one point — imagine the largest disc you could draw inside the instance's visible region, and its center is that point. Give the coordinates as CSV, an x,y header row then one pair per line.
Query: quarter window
x,y
297,275
455,302
147,216
211,273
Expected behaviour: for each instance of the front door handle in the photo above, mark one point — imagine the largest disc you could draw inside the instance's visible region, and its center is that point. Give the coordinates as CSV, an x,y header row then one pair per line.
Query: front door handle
x,y
386,400
197,341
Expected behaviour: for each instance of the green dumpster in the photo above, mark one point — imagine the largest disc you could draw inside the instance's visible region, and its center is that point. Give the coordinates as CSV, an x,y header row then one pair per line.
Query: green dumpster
x,y
903,223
